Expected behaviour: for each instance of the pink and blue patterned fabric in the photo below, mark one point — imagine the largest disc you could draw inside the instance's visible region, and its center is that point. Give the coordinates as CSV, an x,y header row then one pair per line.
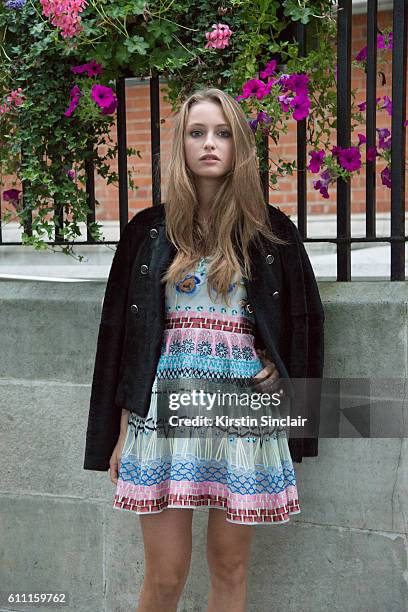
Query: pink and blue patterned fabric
x,y
251,478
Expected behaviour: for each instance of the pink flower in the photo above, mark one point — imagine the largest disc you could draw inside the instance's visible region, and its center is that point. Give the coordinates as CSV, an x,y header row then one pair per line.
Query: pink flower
x,y
284,102
92,68
15,97
269,69
103,96
219,37
301,104
361,139
349,158
383,133
255,87
298,83
387,105
64,14
371,153
386,177
75,94
109,110
316,161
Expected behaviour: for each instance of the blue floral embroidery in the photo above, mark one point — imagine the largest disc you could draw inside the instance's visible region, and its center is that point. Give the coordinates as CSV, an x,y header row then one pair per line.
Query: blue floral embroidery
x,y
175,347
247,353
204,348
188,345
236,352
221,349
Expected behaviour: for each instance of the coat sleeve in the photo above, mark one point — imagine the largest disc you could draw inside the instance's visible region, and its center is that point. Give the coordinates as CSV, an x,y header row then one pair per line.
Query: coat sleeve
x,y
104,416
306,359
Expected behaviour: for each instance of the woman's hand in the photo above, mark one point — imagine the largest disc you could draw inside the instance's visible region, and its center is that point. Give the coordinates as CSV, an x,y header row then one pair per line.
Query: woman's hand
x,y
266,379
116,457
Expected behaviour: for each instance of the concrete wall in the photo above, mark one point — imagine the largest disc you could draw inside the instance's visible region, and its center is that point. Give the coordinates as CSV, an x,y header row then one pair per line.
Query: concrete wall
x,y
346,551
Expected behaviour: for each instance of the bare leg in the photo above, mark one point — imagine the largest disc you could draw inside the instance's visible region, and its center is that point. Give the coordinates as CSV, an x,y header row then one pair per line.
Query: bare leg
x,y
228,554
167,547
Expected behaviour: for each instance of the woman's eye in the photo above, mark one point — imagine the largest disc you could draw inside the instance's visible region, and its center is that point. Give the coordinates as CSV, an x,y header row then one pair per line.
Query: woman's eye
x,y
199,132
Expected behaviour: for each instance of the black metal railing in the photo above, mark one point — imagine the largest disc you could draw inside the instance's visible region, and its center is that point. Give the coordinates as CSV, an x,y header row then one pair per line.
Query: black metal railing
x,y
343,239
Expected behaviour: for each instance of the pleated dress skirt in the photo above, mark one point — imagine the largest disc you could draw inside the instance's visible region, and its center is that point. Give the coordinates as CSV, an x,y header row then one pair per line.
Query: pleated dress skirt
x,y
207,344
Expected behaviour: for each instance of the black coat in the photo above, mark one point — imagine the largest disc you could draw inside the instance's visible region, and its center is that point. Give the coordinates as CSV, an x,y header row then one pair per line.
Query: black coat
x,y
283,296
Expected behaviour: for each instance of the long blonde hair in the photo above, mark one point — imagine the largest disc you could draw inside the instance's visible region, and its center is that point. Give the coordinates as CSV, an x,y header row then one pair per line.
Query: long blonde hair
x,y
238,213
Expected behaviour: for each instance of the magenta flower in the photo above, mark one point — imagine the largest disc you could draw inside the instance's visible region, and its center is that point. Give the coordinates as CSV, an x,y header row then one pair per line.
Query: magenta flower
x,y
349,158
383,133
269,69
103,96
109,110
361,139
71,174
219,37
387,105
316,161
363,105
386,177
75,94
254,87
263,117
301,104
11,195
298,83
284,102
92,68
253,124
371,153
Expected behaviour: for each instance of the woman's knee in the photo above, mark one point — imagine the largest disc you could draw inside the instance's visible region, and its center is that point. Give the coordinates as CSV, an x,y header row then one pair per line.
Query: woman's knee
x,y
229,569
168,583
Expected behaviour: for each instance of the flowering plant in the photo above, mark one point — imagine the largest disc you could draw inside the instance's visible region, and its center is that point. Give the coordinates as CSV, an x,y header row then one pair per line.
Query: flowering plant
x,y
58,105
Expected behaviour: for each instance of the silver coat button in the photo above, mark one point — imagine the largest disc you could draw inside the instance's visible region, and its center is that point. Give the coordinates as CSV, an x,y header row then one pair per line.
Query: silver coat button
x,y
144,269
270,259
275,295
153,232
134,308
280,391
249,308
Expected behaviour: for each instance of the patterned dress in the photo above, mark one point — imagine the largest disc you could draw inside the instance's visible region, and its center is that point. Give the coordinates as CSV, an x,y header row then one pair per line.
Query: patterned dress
x,y
250,477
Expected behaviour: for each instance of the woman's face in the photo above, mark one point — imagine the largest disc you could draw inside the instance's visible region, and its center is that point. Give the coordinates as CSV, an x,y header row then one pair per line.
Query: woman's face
x,y
207,132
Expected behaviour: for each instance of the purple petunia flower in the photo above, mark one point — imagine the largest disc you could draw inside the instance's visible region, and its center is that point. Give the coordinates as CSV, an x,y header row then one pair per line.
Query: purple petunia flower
x,y
253,124
11,195
269,69
255,87
109,110
371,153
75,94
386,177
284,102
316,161
301,104
92,68
361,139
298,83
102,95
349,158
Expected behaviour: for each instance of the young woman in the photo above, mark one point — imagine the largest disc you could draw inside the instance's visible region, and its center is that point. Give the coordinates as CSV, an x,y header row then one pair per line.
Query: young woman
x,y
200,269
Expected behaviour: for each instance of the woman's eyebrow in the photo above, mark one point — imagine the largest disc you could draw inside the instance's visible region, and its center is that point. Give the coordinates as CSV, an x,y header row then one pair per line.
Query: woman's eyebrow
x,y
203,124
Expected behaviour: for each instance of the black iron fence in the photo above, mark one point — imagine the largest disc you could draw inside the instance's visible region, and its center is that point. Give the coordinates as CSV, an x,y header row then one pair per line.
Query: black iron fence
x,y
343,239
